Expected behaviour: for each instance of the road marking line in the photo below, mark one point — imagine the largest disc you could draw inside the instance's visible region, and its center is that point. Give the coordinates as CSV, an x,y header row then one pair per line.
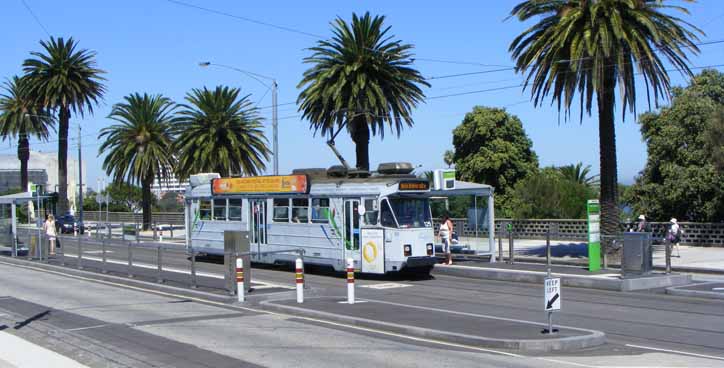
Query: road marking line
x,y
386,285
570,363
149,266
676,352
88,328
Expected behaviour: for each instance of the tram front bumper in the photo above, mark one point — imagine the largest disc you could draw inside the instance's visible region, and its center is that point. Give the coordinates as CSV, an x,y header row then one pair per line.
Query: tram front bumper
x,y
419,262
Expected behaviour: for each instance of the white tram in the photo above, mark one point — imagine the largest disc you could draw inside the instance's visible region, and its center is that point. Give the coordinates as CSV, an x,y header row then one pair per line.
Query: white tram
x,y
383,221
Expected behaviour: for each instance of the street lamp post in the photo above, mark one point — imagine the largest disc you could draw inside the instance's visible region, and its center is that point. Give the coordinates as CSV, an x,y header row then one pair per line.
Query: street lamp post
x,y
275,120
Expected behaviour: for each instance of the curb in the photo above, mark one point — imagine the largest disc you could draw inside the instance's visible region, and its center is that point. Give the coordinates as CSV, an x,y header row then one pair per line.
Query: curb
x,y
570,343
541,260
677,290
591,282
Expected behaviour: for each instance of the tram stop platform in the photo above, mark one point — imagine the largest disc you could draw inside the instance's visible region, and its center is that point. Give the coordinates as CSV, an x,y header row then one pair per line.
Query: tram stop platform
x,y
441,325
576,276
711,290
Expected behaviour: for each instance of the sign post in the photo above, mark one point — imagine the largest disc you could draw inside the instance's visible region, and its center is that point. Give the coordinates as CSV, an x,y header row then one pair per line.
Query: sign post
x,y
552,300
593,209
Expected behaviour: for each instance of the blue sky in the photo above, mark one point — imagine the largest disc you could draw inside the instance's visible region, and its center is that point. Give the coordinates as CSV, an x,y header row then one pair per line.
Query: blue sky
x,y
154,46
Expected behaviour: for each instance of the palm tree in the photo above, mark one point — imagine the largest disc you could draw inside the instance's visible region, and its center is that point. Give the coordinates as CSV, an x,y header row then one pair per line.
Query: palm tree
x,y
21,118
590,47
64,79
579,174
361,79
220,132
139,145
449,158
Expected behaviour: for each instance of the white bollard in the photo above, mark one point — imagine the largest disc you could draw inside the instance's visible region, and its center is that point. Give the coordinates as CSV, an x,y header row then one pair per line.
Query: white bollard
x,y
299,269
350,281
240,292
160,236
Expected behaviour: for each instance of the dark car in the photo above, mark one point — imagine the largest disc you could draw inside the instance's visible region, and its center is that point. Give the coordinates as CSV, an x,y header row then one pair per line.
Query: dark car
x,y
66,224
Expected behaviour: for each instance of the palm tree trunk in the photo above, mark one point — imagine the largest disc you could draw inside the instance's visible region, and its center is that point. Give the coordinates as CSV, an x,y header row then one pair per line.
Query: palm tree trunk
x,y
361,137
63,123
23,156
146,205
607,150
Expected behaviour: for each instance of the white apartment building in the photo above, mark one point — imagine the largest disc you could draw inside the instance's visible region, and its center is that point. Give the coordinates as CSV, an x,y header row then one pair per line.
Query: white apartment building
x,y
168,184
48,162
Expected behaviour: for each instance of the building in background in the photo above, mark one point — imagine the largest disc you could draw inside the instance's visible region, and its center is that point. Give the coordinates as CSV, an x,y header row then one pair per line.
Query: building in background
x,y
168,184
42,169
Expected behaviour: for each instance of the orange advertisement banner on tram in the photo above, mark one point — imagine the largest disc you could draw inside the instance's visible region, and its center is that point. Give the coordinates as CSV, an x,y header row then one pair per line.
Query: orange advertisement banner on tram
x,y
261,184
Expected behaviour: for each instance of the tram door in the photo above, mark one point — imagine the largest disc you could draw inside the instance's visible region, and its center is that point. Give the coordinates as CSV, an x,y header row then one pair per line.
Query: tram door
x,y
351,229
257,219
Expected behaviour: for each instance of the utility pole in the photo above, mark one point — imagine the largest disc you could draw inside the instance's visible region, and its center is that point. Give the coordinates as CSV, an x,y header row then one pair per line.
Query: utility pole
x,y
275,143
80,184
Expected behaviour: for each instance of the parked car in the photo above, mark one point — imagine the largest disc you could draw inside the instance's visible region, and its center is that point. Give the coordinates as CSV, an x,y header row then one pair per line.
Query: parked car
x,y
66,224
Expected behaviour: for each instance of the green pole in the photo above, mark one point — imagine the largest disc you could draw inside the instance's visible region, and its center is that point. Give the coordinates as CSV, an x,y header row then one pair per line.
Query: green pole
x,y
593,209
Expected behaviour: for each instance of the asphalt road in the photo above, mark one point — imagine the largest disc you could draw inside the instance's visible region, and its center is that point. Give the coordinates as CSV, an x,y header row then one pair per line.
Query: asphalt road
x,y
643,328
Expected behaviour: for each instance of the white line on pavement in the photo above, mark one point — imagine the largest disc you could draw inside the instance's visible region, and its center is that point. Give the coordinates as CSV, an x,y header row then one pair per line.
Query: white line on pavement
x,y
88,328
676,352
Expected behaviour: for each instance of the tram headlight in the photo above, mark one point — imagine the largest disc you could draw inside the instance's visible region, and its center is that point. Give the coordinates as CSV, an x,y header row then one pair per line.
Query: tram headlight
x,y
429,249
407,249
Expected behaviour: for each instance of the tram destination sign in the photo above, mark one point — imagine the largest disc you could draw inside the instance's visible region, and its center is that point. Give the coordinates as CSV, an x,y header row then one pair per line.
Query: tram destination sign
x,y
413,185
280,184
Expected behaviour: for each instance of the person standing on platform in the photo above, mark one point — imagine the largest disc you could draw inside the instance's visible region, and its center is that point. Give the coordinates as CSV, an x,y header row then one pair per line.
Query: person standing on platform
x,y
50,232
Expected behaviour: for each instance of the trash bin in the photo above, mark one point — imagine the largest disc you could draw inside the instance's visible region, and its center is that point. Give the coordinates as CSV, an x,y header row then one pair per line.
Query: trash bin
x,y
637,257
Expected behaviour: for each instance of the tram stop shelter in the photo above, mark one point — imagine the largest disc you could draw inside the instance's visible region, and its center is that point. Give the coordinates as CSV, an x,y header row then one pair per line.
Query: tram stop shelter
x,y
8,217
480,220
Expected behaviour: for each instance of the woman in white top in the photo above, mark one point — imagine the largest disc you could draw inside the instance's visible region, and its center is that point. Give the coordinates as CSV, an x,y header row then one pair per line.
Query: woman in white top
x,y
49,228
674,235
445,234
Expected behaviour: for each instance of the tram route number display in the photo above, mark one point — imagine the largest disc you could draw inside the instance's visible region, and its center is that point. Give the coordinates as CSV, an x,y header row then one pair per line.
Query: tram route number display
x,y
552,299
412,185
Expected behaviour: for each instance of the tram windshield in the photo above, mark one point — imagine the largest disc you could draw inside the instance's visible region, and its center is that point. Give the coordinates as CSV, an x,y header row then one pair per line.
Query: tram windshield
x,y
411,212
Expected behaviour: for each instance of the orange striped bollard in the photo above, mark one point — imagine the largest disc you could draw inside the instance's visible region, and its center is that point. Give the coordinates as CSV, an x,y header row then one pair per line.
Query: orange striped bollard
x,y
350,281
300,280
240,279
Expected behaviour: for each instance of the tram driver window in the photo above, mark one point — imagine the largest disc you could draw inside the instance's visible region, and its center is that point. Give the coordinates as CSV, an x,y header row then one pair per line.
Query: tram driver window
x,y
219,213
234,209
386,217
205,209
300,210
281,210
320,210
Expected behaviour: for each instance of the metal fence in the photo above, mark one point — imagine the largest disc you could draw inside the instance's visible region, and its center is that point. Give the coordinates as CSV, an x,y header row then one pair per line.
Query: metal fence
x,y
175,218
694,233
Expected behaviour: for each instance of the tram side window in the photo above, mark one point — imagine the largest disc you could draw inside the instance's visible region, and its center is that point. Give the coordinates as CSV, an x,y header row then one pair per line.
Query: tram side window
x,y
234,209
300,210
219,210
281,210
320,210
371,211
205,209
386,217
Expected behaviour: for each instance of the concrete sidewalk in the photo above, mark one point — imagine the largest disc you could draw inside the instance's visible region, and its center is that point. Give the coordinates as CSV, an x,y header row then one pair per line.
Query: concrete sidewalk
x,y
445,325
19,353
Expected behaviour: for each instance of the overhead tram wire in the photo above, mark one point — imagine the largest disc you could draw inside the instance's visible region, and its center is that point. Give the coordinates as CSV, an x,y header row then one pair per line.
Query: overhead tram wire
x,y
37,20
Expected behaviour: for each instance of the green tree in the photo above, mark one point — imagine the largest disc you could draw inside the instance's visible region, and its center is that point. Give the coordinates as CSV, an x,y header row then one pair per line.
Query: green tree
x,y
590,47
492,148
361,79
64,79
579,174
170,202
714,138
139,145
125,197
680,178
22,118
550,194
219,132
